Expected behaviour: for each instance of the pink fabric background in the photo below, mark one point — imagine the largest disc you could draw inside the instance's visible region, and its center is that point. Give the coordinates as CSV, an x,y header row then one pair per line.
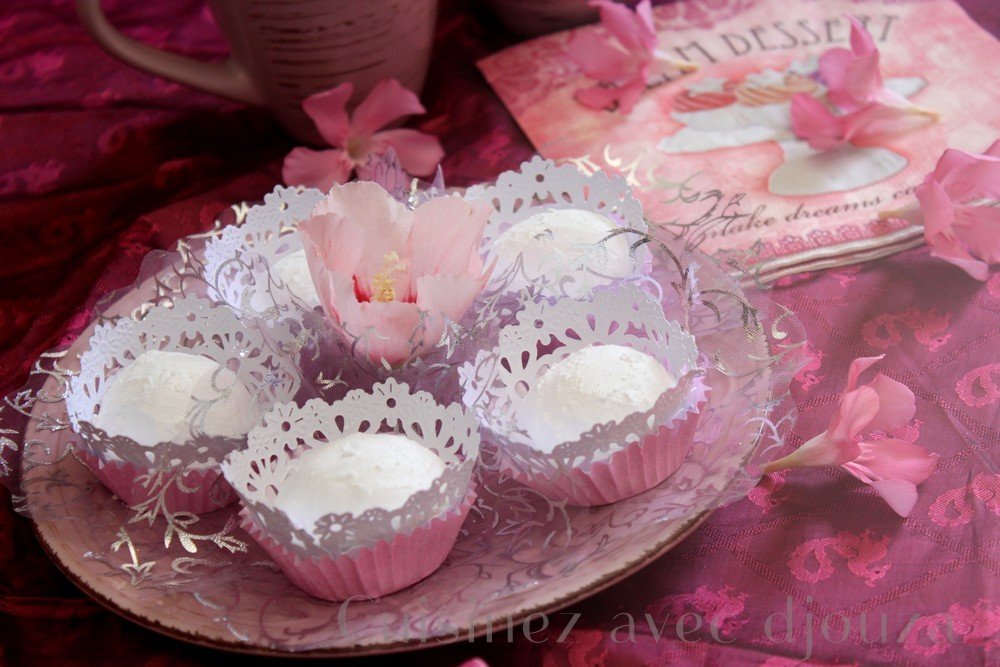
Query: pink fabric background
x,y
100,163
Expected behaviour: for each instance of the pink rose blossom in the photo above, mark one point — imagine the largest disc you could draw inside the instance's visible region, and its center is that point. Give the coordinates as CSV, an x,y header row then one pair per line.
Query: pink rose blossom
x,y
867,109
623,66
356,138
391,276
959,205
893,467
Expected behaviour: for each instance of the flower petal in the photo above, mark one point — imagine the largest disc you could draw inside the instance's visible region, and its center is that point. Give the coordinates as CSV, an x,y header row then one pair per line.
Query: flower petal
x,y
857,367
863,79
852,77
957,228
853,417
387,102
946,246
446,236
329,111
383,220
336,294
634,30
600,98
812,121
875,121
419,153
316,169
861,40
819,452
390,330
901,496
892,458
967,176
896,403
855,414
833,66
893,468
979,228
599,60
444,296
332,242
937,207
622,98
630,93
647,28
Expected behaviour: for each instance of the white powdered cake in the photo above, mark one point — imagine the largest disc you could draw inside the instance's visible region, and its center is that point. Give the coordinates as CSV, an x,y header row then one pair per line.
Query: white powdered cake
x,y
165,396
594,385
293,271
356,473
565,242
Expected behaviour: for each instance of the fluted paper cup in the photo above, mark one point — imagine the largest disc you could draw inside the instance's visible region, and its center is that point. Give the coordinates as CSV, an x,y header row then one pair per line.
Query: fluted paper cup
x,y
379,551
610,461
171,477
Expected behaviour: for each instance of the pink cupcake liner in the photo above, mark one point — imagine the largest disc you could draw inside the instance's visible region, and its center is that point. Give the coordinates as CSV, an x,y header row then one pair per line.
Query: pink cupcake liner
x,y
211,492
386,567
628,472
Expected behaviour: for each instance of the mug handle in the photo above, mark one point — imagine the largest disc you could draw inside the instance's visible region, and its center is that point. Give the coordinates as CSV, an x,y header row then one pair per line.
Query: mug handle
x,y
226,79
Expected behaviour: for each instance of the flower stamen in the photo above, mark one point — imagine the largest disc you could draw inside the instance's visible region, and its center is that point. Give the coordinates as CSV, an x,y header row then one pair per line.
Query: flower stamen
x,y
383,284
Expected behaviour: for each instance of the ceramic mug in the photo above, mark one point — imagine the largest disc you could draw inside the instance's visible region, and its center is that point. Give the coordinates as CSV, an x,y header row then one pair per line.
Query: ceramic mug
x,y
282,52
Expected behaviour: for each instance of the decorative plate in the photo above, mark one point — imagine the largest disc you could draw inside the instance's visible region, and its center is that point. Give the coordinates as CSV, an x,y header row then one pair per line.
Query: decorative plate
x,y
203,580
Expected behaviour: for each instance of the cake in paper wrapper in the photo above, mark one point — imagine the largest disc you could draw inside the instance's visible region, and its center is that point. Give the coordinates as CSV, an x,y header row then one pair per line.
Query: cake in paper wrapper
x,y
239,377
610,461
379,551
556,231
252,267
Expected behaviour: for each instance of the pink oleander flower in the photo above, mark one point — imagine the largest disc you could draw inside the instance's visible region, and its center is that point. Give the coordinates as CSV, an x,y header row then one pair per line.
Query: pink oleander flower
x,y
893,467
866,108
390,276
961,218
356,138
622,67
852,76
824,130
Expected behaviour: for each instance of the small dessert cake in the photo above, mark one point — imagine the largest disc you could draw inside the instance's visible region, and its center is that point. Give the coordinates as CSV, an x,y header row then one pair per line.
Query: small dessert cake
x,y
360,497
237,261
356,473
594,385
589,402
159,402
559,243
293,271
169,396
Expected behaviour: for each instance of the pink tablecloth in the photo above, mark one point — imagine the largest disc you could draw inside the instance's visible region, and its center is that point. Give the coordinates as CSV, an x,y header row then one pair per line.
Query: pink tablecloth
x,y
101,163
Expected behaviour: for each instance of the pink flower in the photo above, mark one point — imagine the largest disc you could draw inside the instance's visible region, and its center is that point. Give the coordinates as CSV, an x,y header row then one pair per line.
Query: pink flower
x,y
893,467
854,88
391,276
958,201
852,77
622,67
356,138
824,130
